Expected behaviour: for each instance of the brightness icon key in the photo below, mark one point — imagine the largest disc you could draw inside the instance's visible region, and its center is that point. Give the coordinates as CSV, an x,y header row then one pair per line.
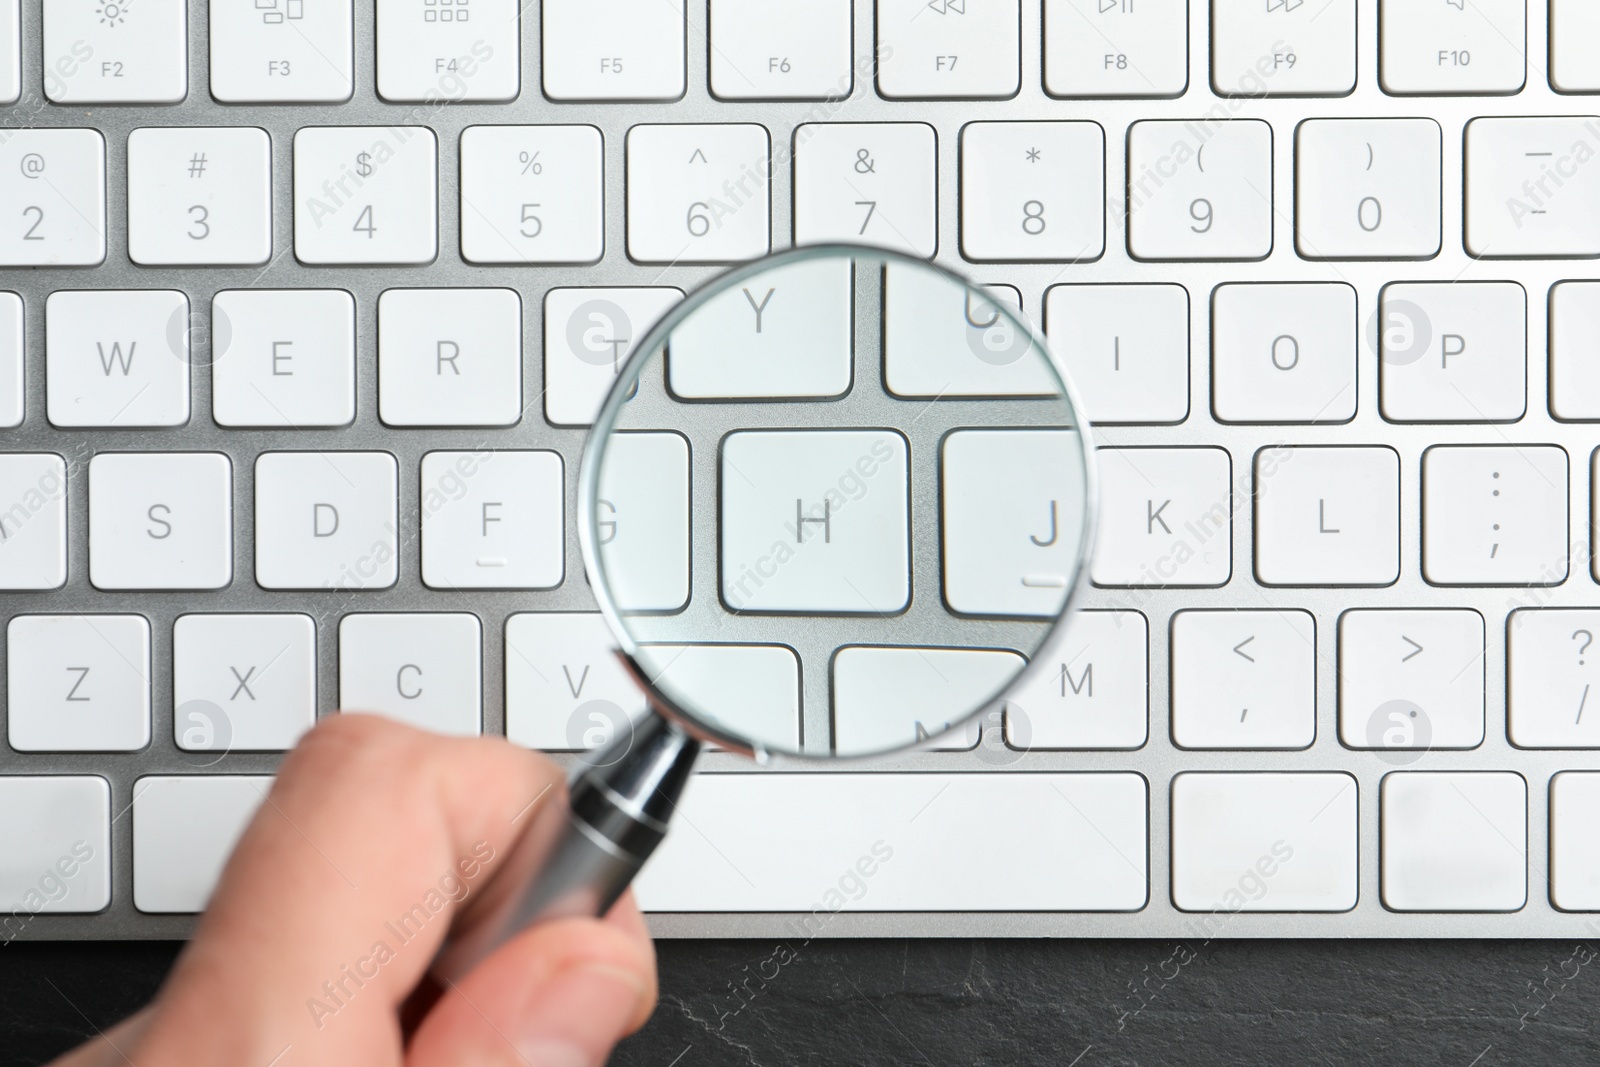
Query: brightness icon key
x,y
116,52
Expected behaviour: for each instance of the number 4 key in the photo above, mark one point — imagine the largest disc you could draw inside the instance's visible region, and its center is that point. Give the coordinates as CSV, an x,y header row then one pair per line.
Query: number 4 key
x,y
365,194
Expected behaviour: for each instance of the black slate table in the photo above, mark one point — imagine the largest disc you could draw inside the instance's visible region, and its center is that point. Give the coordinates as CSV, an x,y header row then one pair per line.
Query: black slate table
x,y
1025,1003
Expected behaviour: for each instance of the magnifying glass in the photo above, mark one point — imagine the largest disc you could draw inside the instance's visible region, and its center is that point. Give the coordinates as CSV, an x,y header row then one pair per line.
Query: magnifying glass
x,y
835,502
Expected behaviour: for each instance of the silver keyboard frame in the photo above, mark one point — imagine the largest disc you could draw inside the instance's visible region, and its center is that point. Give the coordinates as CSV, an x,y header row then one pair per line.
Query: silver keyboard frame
x,y
1157,761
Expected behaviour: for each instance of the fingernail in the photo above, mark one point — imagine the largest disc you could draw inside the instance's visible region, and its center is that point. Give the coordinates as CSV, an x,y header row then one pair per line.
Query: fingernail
x,y
577,1015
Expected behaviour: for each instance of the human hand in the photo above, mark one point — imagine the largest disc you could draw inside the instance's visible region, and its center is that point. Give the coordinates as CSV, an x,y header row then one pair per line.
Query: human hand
x,y
373,839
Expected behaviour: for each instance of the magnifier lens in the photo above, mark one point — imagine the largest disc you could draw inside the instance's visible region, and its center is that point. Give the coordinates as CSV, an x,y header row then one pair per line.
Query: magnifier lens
x,y
835,504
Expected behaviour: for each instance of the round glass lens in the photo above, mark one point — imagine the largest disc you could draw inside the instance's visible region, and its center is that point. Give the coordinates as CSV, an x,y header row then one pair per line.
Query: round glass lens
x,y
835,502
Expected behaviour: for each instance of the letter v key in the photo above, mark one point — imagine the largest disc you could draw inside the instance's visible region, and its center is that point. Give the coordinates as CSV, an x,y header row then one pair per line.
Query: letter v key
x,y
578,688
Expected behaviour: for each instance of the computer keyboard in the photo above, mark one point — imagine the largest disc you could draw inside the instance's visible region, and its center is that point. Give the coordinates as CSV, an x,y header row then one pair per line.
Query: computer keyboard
x,y
305,305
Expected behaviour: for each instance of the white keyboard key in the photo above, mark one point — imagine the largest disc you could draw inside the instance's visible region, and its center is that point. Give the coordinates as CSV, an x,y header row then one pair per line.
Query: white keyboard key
x,y
1012,519
449,357
326,520
750,691
33,520
1264,842
1575,350
1288,48
1473,47
787,334
698,194
1327,515
936,49
1453,351
422,669
1122,48
1126,348
281,51
867,183
448,50
771,50
532,194
117,53
815,521
54,182
117,358
966,348
1367,188
199,195
1411,680
12,385
1574,864
566,688
160,520
243,682
11,51
184,829
55,835
1033,191
365,194
904,842
642,515
613,49
1551,678
1200,193
588,336
283,357
1529,191
78,683
1494,515
1454,841
1166,517
1574,65
1244,679
1089,687
492,520
1284,353
887,698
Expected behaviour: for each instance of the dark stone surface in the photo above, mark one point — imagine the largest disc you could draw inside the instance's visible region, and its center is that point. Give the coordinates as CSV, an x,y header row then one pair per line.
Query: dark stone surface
x,y
54,995
969,1003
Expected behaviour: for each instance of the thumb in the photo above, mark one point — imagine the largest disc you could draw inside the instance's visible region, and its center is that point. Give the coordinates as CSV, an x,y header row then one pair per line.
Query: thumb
x,y
559,995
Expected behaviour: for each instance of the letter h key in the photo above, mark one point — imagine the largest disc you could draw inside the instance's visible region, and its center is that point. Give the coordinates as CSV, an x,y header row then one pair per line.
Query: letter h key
x,y
800,520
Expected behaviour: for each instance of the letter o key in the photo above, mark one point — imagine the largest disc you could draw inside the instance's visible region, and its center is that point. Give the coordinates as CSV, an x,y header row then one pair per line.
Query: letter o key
x,y
1285,352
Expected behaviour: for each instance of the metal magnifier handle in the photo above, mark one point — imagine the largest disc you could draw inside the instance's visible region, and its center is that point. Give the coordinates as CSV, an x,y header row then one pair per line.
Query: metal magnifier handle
x,y
616,809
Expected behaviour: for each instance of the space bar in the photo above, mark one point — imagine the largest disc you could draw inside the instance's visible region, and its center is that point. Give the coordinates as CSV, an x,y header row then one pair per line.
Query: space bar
x,y
752,842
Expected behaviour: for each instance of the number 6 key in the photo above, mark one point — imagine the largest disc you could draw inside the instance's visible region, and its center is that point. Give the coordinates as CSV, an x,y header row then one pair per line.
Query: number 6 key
x,y
698,194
